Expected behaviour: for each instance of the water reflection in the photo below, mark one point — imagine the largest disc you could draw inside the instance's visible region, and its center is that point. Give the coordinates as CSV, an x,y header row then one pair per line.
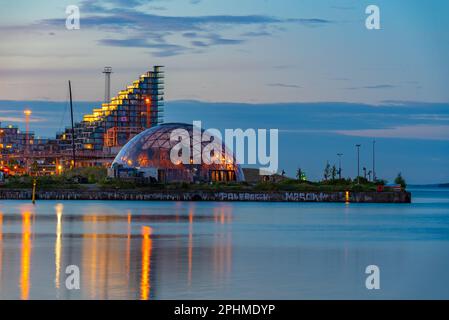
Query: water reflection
x,y
190,248
58,243
25,256
1,248
128,243
145,285
119,254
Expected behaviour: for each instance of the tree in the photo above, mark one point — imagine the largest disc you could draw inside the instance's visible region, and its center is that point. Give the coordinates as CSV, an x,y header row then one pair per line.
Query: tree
x,y
299,174
334,172
400,180
34,166
327,171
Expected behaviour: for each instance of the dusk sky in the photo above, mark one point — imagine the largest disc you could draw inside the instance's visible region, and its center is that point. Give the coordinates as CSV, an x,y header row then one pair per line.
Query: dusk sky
x,y
237,50
389,84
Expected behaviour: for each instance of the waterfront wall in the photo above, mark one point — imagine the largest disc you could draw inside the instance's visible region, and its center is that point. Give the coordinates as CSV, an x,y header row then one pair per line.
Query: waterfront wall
x,y
272,196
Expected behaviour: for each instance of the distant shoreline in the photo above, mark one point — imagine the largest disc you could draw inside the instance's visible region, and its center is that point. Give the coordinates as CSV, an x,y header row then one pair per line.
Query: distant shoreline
x,y
436,185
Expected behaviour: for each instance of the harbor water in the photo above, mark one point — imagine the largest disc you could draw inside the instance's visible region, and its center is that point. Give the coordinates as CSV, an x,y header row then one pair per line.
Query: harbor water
x,y
224,250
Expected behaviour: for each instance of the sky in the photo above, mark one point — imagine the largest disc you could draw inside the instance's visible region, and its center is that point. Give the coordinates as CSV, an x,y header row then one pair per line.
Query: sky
x,y
232,51
308,68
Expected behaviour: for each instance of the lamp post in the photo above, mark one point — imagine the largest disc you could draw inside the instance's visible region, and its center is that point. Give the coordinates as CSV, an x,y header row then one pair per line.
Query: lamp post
x,y
27,114
339,165
374,160
358,162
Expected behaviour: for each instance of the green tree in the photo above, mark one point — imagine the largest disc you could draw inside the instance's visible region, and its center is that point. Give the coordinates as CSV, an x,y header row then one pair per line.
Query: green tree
x,y
400,180
334,172
299,174
327,171
34,166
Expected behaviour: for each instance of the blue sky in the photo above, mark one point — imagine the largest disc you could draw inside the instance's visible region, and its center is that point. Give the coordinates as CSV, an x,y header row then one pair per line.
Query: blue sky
x,y
236,50
309,68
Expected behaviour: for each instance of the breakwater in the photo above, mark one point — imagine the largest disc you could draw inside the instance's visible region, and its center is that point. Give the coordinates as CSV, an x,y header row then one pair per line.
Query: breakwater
x,y
259,196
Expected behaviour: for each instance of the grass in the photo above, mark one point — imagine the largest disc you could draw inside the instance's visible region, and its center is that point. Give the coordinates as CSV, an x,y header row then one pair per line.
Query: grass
x,y
88,181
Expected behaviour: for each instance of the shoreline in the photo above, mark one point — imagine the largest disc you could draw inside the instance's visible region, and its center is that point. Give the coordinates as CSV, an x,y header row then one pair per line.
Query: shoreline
x,y
243,196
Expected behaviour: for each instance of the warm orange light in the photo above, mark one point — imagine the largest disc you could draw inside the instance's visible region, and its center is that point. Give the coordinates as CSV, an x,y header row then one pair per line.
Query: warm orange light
x,y
27,112
25,256
147,100
145,285
58,244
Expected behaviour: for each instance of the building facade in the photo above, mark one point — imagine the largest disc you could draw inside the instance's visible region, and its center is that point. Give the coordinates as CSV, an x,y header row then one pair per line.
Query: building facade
x,y
99,136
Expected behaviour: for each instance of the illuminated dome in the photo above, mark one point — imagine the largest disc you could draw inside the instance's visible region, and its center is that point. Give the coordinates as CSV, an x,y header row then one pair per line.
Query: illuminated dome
x,y
150,150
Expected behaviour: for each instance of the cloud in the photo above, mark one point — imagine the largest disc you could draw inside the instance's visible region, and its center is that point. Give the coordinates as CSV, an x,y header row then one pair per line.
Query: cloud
x,y
313,22
20,119
211,39
216,39
198,43
420,132
135,19
191,35
374,87
163,49
284,85
256,34
104,5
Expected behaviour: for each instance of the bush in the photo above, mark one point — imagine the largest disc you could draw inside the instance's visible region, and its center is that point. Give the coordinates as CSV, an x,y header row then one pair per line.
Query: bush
x,y
90,174
400,180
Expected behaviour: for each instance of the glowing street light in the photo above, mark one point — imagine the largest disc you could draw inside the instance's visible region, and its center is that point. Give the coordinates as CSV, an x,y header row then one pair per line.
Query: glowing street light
x,y
27,113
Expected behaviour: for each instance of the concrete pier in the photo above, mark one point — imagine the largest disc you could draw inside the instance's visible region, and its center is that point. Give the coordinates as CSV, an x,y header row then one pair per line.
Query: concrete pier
x,y
265,196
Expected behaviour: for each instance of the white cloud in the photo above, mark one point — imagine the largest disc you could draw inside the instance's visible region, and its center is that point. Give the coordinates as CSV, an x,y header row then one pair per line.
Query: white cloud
x,y
422,132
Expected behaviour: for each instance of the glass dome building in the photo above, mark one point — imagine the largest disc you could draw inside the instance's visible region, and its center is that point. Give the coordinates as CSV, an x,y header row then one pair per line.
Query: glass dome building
x,y
149,154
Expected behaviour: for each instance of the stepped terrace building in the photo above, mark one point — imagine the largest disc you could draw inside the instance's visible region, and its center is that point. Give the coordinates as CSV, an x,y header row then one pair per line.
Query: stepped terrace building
x,y
134,109
100,135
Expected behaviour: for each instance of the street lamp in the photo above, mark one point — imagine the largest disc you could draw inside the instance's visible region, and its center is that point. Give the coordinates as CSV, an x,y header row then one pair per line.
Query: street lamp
x,y
358,162
374,160
339,164
27,114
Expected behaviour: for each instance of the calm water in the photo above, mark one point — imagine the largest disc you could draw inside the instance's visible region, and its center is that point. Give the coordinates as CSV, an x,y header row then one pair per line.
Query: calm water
x,y
205,250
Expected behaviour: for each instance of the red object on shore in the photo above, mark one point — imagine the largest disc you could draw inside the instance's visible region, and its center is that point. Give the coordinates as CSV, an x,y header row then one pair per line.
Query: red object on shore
x,y
380,188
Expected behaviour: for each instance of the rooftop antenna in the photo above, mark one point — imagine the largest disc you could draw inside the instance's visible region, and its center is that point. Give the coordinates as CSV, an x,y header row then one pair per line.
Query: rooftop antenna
x,y
73,128
107,84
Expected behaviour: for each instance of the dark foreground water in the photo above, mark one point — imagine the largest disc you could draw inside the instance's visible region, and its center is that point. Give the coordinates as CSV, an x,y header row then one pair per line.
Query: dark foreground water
x,y
206,250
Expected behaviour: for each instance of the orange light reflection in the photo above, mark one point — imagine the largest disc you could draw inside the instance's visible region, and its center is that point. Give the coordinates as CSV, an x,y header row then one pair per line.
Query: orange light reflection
x,y
58,243
145,285
25,256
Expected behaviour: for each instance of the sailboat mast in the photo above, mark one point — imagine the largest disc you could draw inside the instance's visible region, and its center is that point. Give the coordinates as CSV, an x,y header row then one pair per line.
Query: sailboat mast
x,y
73,128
